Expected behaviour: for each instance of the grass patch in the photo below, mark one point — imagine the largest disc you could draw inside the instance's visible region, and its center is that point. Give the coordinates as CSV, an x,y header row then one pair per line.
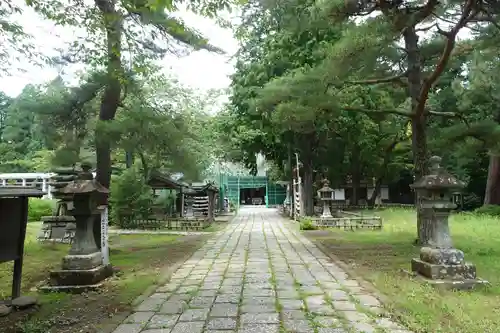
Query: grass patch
x,y
215,227
141,260
380,256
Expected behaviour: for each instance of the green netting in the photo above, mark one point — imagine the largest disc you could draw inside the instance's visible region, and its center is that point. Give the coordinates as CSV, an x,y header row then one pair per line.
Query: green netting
x,y
246,182
230,186
276,194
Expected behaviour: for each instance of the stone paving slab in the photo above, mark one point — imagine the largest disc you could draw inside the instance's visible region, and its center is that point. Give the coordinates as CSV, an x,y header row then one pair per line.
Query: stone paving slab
x,y
154,232
259,275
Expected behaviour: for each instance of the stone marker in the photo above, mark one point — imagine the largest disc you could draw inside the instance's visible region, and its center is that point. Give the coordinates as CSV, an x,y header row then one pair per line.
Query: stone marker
x,y
5,310
24,302
440,263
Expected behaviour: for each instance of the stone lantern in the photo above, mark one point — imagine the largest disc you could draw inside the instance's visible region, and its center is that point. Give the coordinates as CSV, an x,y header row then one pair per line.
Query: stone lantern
x,y
439,261
325,194
83,267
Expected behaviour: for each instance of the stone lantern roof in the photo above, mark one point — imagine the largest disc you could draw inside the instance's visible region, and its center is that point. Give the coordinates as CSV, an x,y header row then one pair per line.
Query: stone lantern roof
x,y
84,184
326,188
438,178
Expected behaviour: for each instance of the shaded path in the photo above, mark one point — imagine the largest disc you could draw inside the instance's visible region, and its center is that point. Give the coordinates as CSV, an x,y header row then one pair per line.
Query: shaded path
x,y
259,276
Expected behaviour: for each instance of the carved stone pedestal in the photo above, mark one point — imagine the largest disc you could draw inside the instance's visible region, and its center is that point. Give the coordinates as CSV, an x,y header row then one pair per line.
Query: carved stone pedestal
x,y
57,229
80,271
79,280
60,227
466,271
446,268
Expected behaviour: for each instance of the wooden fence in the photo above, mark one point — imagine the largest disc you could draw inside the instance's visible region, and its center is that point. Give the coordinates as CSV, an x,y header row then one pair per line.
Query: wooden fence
x,y
350,223
171,224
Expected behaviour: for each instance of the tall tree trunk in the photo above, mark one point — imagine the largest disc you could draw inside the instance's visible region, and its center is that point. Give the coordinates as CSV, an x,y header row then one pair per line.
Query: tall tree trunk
x,y
145,167
129,159
111,97
492,192
355,175
306,144
382,172
291,175
308,186
419,138
376,191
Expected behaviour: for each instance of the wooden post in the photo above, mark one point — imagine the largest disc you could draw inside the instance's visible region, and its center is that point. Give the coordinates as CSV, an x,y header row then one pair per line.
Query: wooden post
x,y
18,263
210,206
181,193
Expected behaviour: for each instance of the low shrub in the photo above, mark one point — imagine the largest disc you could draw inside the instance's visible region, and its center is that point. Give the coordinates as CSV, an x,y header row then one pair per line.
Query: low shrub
x,y
471,201
233,205
307,224
37,208
130,198
492,210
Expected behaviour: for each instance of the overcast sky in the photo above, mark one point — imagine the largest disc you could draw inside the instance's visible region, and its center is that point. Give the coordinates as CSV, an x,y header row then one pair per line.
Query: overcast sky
x,y
200,69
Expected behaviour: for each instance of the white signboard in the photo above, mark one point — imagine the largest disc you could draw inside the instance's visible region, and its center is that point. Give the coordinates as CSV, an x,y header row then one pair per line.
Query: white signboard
x,y
384,193
339,194
104,236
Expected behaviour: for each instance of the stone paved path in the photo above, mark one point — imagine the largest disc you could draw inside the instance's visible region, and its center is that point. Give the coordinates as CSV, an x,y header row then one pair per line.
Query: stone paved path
x,y
259,276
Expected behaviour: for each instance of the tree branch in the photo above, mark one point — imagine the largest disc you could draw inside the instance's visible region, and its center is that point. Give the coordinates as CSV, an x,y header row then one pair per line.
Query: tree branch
x,y
389,79
442,114
406,113
420,13
360,8
397,79
486,17
449,115
427,28
452,22
467,14
367,111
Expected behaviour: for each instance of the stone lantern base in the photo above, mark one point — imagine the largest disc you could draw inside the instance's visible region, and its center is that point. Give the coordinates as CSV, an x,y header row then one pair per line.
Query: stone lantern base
x,y
445,268
79,273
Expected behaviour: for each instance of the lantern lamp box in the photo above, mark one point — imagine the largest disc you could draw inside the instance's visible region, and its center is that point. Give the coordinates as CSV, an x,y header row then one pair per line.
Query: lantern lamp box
x,y
13,221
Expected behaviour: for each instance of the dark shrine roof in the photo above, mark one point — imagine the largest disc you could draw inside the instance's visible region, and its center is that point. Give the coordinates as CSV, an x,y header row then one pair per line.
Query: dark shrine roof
x,y
158,180
199,188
